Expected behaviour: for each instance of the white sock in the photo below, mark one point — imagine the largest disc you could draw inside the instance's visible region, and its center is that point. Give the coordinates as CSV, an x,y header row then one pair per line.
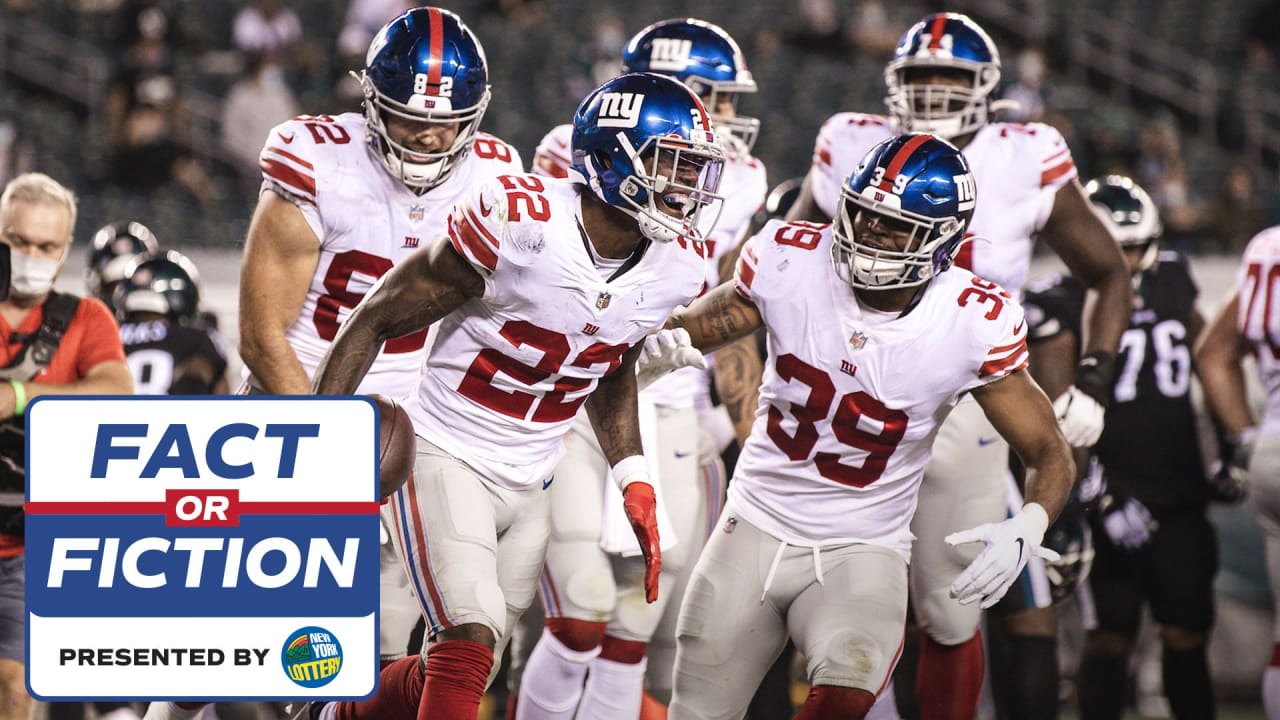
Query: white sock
x,y
552,682
613,690
886,708
1271,691
169,711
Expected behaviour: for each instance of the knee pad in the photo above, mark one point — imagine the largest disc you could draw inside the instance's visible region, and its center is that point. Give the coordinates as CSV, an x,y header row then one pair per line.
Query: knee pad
x,y
587,593
492,604
946,620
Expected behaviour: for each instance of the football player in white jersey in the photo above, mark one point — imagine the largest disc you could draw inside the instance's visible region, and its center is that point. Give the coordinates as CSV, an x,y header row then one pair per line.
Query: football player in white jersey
x,y
870,346
1246,326
940,81
543,290
598,625
343,200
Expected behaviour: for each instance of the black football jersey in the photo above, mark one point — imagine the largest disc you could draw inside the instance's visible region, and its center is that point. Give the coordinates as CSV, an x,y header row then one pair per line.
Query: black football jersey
x,y
156,349
1149,447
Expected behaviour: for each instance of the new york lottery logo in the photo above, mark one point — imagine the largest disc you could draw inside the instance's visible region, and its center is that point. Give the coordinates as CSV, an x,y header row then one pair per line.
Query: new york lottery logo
x,y
311,656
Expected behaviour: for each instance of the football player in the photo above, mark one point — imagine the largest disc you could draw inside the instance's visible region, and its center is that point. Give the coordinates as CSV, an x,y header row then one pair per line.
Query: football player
x,y
1153,542
345,198
543,290
111,249
941,81
870,345
603,635
157,304
1246,326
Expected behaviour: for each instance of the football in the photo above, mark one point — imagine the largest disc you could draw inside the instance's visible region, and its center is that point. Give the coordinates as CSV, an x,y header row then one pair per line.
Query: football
x,y
397,446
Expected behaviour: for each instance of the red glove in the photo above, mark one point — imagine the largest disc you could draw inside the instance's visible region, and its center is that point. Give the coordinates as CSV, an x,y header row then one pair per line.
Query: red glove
x,y
642,511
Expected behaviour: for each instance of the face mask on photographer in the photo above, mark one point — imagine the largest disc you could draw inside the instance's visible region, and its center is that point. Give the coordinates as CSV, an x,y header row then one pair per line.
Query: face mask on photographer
x,y
32,276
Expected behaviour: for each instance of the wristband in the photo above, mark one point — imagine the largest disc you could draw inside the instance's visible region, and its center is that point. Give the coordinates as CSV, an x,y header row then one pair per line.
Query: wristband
x,y
19,397
629,469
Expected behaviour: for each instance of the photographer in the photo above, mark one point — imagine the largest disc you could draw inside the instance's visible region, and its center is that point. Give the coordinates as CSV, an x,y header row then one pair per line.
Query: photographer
x,y
50,344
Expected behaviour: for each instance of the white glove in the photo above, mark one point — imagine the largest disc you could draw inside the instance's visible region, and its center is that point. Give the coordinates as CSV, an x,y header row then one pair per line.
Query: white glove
x,y
1127,521
1009,545
665,351
1080,417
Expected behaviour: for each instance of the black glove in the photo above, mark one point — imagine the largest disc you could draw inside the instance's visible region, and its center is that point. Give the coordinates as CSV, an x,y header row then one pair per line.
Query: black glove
x,y
1095,374
1229,474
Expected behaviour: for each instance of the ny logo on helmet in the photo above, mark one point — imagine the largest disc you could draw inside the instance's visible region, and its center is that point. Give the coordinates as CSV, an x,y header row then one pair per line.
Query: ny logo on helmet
x,y
670,54
620,110
965,191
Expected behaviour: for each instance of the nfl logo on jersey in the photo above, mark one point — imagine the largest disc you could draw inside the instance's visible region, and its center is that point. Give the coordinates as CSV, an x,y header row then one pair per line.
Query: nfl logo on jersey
x,y
858,339
417,213
602,301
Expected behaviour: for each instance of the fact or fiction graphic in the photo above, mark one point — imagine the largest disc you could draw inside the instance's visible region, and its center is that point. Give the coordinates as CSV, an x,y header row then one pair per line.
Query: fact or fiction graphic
x,y
202,549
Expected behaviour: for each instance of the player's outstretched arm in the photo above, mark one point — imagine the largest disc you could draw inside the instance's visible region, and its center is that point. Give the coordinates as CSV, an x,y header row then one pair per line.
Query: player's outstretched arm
x,y
280,256
423,288
1021,413
718,318
1220,351
1083,243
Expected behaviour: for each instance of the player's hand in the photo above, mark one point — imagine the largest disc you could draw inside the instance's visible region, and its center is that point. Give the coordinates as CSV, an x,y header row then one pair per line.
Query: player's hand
x,y
1127,521
1229,474
1080,416
642,510
1009,545
665,351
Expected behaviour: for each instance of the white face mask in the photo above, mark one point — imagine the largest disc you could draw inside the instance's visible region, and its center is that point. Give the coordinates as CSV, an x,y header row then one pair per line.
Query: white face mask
x,y
32,276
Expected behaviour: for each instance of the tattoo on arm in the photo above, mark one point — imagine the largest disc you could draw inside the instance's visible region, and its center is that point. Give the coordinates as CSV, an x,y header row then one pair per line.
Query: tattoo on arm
x,y
737,372
614,411
717,318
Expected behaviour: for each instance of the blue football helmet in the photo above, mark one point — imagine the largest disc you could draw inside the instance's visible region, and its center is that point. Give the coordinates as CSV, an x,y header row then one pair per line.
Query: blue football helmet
x,y
424,66
915,184
167,284
113,246
1129,213
643,143
704,57
947,42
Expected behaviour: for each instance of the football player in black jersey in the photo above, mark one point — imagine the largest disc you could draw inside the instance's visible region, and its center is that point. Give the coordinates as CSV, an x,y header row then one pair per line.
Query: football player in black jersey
x,y
1154,543
157,304
114,246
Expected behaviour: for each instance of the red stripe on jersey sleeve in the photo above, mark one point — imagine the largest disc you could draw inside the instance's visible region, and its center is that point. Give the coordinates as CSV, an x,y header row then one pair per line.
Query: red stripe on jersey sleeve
x,y
1005,359
474,222
468,243
303,185
1054,159
1053,173
289,156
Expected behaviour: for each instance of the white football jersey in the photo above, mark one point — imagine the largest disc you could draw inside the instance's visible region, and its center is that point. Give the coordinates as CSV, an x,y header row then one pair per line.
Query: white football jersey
x,y
1018,169
744,187
508,371
367,221
852,398
1257,322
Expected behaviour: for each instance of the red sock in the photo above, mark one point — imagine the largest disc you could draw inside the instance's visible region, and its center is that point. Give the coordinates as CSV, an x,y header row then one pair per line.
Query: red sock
x,y
456,674
949,680
651,709
577,635
828,702
618,650
512,699
399,688
1275,656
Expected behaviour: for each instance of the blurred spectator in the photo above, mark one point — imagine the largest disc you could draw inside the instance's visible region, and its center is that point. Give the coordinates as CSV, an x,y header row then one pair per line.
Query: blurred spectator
x,y
363,19
256,103
1027,92
17,155
1237,213
145,119
1162,171
266,27
822,30
872,31
1262,36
